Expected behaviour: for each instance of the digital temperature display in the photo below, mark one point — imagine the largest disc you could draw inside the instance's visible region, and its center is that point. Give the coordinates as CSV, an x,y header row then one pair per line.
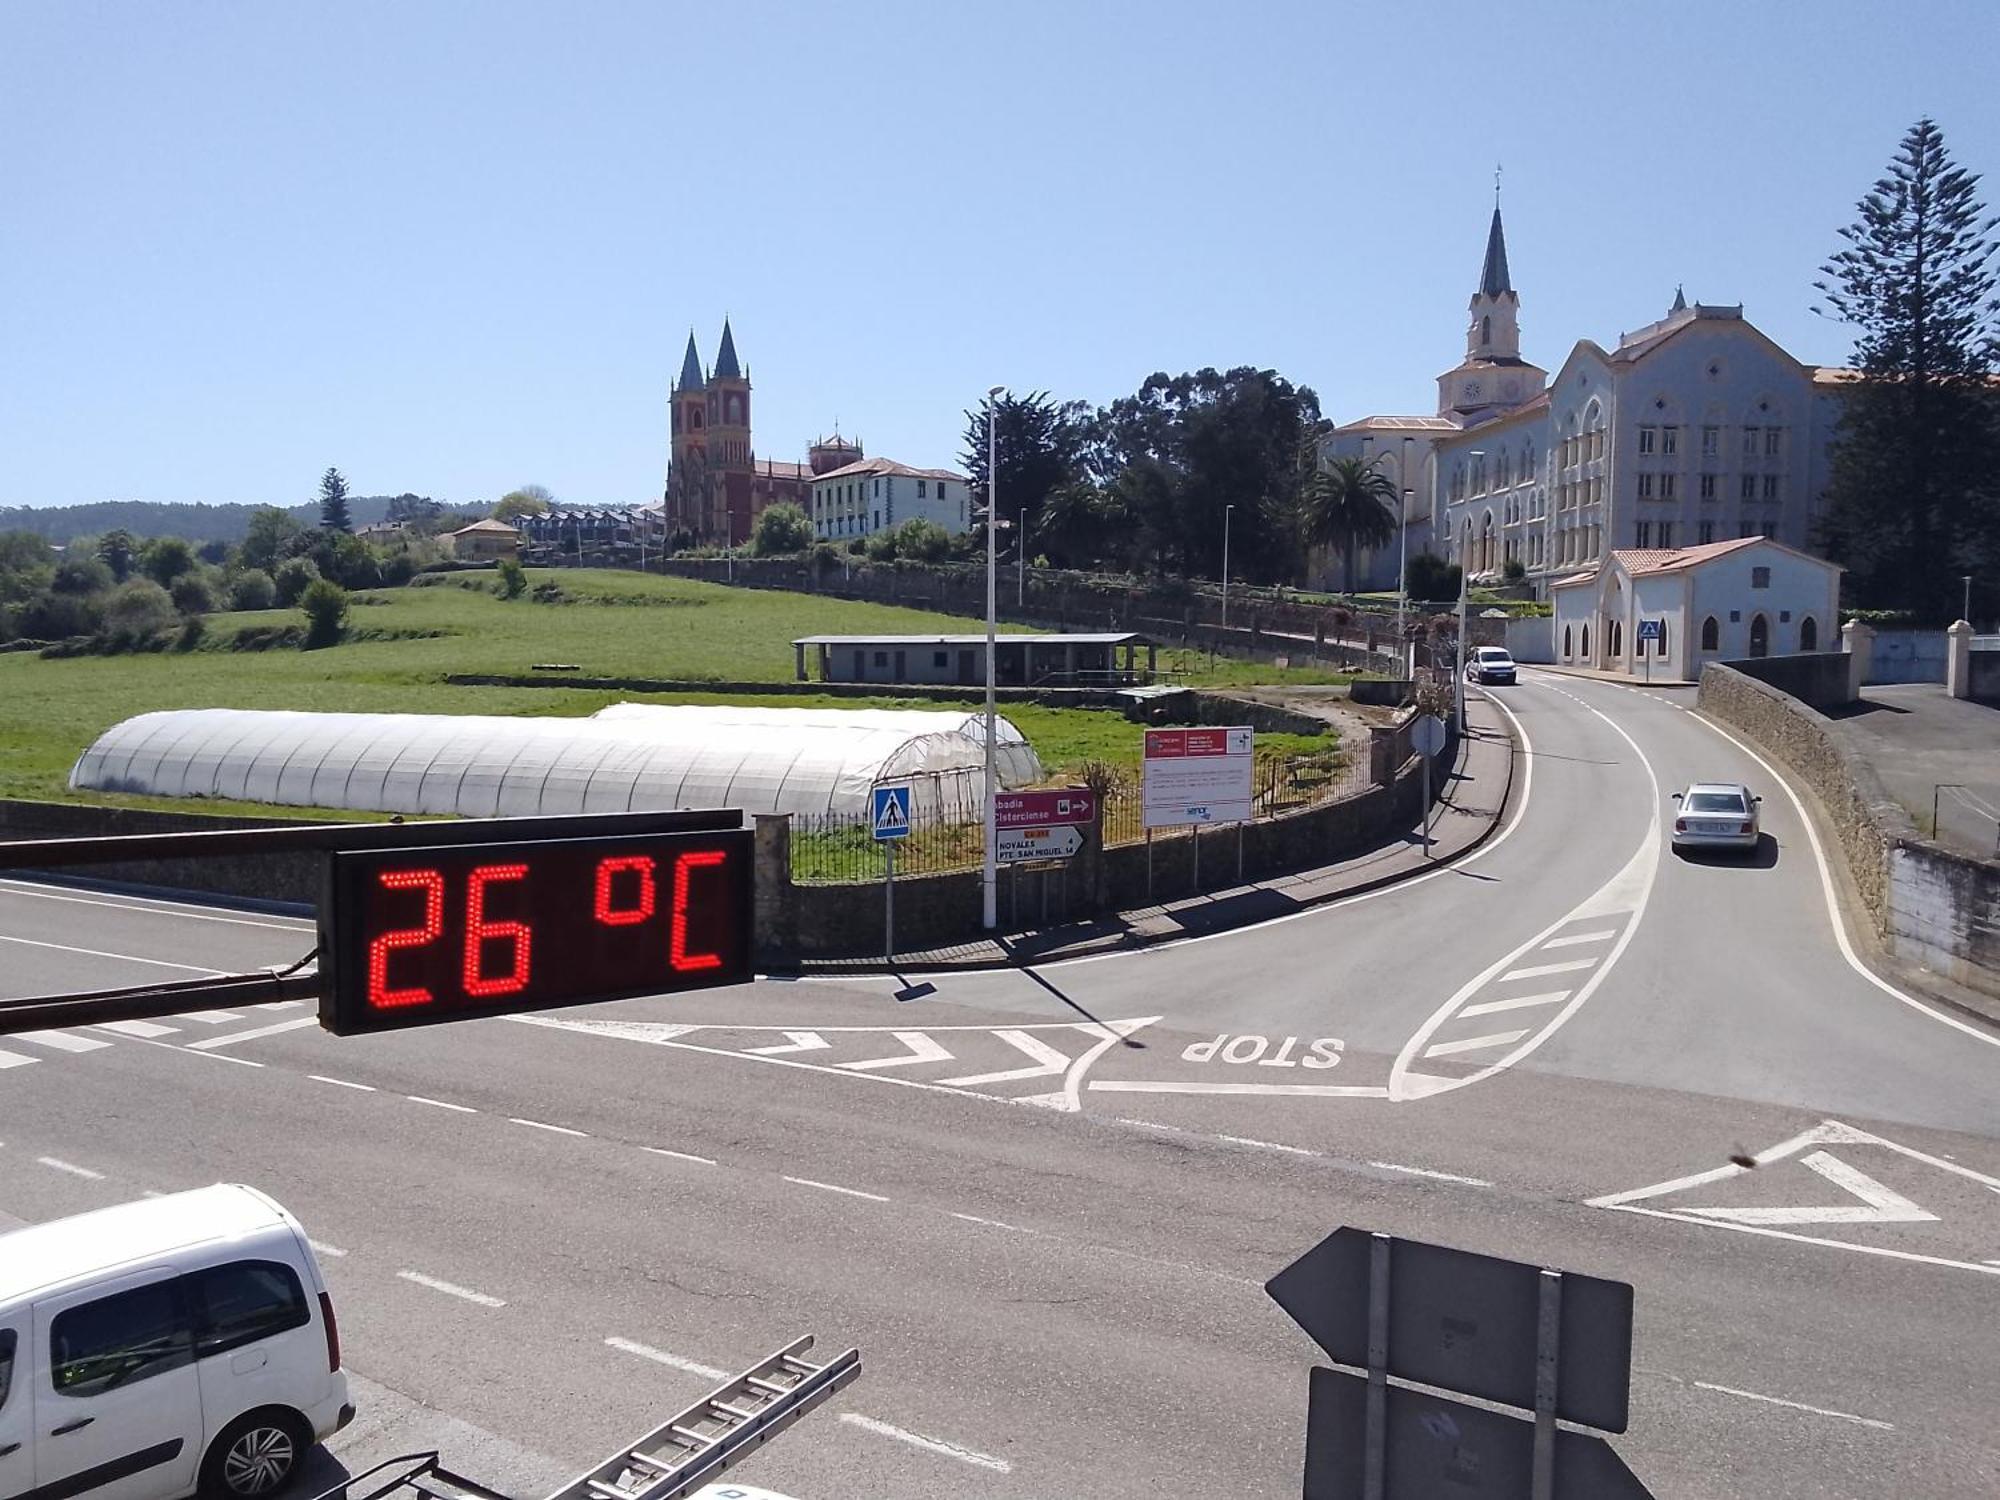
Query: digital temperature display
x,y
412,936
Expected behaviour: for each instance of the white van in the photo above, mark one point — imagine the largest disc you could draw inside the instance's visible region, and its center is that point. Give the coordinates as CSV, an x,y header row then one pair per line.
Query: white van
x,y
158,1349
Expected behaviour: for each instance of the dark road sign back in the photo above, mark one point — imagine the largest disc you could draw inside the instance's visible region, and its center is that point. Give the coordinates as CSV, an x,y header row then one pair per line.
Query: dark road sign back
x,y
1467,1323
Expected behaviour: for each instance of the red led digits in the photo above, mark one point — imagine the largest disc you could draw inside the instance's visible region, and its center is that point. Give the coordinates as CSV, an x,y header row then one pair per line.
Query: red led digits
x,y
682,959
479,931
431,882
607,871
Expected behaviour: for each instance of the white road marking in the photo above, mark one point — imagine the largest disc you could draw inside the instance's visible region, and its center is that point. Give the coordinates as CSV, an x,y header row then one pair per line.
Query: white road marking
x,y
64,1041
922,1050
1517,1002
178,913
1392,1166
1879,1204
461,1109
251,1035
801,1041
328,1250
1818,1411
70,1167
208,1017
932,1445
130,958
365,1088
705,1161
451,1289
1577,938
1244,1140
1474,1043
16,1059
241,1062
544,1125
834,1187
1286,1090
1047,1061
992,1223
1536,971
1831,894
277,1005
671,1361
137,1028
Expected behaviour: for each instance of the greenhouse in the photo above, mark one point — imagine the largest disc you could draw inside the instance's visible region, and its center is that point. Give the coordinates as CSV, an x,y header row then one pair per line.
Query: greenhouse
x,y
803,761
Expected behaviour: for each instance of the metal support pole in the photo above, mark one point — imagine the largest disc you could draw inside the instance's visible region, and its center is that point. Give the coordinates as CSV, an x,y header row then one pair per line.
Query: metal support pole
x,y
1149,865
990,874
1375,1439
1424,824
1227,511
1548,1354
1239,853
1197,858
889,906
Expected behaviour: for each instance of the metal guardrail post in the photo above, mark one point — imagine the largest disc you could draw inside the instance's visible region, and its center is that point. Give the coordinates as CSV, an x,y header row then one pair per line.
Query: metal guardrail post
x,y
1548,1356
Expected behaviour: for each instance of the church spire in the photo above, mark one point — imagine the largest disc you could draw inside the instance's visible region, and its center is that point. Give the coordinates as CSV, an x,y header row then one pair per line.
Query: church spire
x,y
1493,279
726,367
1680,300
690,368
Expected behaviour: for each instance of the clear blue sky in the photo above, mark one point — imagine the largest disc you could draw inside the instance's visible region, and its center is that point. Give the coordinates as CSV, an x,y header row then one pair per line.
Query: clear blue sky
x,y
455,247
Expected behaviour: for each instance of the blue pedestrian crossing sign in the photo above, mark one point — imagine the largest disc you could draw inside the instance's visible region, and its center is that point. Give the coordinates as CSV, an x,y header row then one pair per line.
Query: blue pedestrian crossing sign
x,y
890,812
1649,630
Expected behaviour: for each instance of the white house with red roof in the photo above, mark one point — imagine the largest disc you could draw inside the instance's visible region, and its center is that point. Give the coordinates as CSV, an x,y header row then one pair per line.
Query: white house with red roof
x,y
1746,597
879,494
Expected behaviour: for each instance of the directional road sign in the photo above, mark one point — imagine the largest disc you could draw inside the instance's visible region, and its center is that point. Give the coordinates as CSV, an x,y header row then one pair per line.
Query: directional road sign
x,y
1018,844
1055,807
889,812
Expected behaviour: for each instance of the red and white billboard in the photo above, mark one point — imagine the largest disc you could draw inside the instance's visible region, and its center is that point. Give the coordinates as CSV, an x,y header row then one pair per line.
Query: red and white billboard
x,y
1197,776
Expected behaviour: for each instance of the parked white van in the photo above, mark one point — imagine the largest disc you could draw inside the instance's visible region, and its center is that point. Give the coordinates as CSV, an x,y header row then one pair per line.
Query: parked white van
x,y
158,1349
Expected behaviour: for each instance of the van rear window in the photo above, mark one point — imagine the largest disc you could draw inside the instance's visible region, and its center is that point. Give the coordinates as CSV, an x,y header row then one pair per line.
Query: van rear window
x,y
244,1301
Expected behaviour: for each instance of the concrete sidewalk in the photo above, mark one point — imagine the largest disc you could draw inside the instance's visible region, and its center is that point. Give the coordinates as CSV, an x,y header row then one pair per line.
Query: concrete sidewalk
x,y
1474,797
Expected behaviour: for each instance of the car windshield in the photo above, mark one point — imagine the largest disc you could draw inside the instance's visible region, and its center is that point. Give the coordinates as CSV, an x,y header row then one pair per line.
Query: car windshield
x,y
1491,655
1715,802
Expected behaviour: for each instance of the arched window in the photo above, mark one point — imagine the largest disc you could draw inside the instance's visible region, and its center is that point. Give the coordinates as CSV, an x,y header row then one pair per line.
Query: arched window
x,y
1617,634
1567,643
1809,634
1711,635
1485,330
1586,638
1661,649
1760,635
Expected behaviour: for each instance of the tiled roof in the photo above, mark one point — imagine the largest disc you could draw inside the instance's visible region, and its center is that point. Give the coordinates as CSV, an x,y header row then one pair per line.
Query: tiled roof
x,y
1402,424
771,468
870,467
1642,560
497,528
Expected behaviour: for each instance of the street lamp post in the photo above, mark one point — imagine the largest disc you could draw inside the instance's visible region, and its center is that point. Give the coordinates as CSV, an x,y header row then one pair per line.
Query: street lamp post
x,y
1226,512
990,872
1403,566
1464,598
1966,579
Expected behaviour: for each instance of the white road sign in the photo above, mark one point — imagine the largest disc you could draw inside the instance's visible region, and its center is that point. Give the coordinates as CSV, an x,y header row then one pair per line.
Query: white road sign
x,y
1018,844
1197,776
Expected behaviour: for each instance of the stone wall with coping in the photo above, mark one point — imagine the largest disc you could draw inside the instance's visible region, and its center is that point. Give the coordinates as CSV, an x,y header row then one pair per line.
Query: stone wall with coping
x,y
290,879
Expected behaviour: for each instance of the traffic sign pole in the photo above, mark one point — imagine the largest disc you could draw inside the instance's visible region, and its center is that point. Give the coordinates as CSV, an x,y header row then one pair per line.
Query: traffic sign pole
x,y
889,907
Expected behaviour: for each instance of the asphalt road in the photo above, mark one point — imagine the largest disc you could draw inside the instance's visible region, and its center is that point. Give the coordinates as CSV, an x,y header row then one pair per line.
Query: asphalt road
x,y
1044,1204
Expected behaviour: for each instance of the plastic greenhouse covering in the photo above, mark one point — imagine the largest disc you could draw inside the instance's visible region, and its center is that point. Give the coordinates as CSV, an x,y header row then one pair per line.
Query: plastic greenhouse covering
x,y
796,761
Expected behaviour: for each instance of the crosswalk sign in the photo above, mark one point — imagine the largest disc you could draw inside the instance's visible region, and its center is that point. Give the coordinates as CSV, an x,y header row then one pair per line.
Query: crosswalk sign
x,y
1650,630
890,812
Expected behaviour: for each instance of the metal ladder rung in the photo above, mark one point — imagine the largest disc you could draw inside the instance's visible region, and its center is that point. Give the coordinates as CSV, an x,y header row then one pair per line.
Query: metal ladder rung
x,y
740,1413
644,1461
771,1386
689,1436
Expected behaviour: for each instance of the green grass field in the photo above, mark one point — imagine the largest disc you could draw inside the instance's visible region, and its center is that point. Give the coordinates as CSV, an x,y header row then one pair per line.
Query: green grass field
x,y
618,625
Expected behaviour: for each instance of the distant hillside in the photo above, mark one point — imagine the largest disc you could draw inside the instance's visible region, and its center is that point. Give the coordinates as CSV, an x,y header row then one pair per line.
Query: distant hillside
x,y
143,518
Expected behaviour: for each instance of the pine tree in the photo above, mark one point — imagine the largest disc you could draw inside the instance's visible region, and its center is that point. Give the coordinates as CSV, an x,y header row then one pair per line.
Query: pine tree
x,y
333,502
1912,503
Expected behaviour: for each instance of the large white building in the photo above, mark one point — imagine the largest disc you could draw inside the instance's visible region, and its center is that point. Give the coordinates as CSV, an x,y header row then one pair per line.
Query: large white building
x,y
878,494
1691,430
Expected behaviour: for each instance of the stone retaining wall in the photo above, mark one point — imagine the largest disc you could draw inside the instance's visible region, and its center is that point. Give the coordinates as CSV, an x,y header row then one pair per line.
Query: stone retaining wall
x,y
290,878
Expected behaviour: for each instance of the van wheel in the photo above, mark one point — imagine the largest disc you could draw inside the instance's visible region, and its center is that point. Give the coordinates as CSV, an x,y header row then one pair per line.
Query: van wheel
x,y
255,1456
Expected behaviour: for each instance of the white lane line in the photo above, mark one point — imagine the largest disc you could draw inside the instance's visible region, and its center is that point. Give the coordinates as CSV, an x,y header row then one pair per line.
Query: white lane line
x,y
451,1289
241,1062
705,1161
130,958
63,1041
178,913
544,1125
1536,971
834,1187
1831,893
1818,1411
930,1445
1488,1007
1576,939
332,1251
16,1059
1807,1239
1396,1166
277,1005
208,1017
461,1109
671,1361
1285,1090
365,1088
137,1028
1244,1140
991,1223
256,1031
1474,1043
70,1167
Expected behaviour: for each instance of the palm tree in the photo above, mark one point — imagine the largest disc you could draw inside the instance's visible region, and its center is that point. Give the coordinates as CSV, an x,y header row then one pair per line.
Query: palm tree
x,y
1348,504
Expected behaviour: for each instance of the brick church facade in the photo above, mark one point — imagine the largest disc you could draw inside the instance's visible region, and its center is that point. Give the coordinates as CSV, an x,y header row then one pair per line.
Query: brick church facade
x,y
716,484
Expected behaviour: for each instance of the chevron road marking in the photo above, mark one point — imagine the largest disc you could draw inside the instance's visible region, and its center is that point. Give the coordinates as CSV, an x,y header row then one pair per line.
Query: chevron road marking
x,y
1047,1061
922,1050
801,1041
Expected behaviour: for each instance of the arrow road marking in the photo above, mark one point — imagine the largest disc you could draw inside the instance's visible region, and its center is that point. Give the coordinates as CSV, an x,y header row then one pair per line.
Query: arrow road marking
x,y
801,1041
1879,1204
922,1050
1047,1061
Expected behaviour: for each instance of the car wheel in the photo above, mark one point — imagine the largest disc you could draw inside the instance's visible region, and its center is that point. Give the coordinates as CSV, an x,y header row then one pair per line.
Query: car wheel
x,y
255,1456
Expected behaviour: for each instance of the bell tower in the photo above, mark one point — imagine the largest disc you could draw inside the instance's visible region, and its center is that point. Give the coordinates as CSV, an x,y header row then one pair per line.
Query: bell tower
x,y
1493,375
729,450
687,463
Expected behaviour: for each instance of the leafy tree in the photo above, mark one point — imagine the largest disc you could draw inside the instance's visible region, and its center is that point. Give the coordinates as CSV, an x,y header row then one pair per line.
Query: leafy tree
x,y
253,589
1432,579
81,576
1040,444
1912,502
166,558
137,608
1514,570
325,604
117,550
412,510
1083,526
1347,504
921,540
27,563
528,500
292,578
269,538
333,513
192,595
781,529
346,559
880,546
215,554
53,617
513,578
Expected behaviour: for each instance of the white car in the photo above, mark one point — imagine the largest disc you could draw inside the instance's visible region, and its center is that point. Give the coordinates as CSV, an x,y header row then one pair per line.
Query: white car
x,y
1489,664
158,1349
1716,815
